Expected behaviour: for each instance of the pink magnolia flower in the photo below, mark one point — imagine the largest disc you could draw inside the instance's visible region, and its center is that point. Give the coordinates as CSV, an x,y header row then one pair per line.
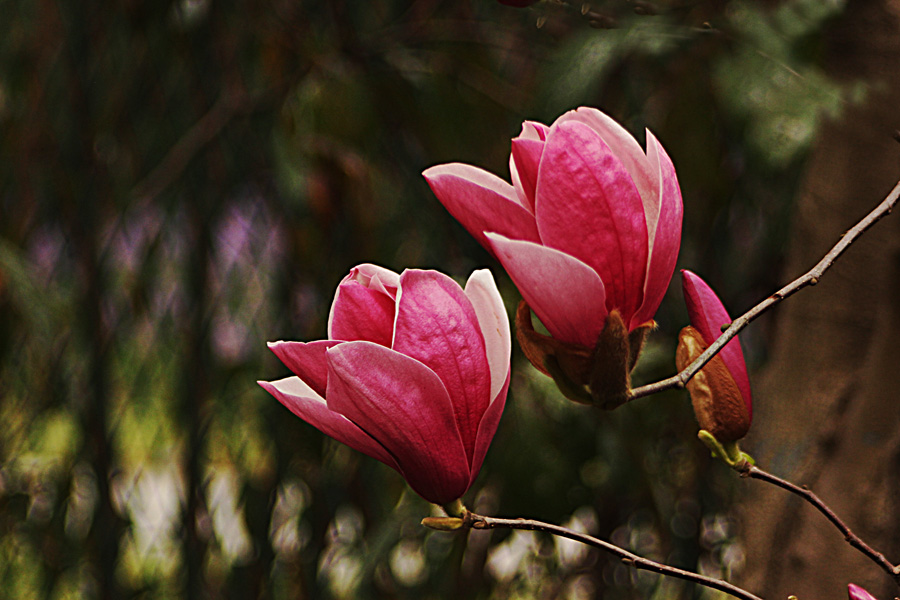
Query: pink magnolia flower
x,y
859,593
725,403
414,374
590,223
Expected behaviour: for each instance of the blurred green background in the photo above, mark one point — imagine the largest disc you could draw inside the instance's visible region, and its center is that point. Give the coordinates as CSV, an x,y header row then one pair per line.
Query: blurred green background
x,y
181,182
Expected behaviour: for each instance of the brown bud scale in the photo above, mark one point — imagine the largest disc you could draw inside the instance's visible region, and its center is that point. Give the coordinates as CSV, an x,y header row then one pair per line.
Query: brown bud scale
x,y
716,398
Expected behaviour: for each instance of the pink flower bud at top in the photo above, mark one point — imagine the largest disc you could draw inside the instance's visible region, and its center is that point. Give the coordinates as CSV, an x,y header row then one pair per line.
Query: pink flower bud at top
x,y
720,391
590,224
415,374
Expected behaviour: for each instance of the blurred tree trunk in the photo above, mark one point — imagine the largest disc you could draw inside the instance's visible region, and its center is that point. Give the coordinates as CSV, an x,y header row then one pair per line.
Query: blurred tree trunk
x,y
83,193
828,411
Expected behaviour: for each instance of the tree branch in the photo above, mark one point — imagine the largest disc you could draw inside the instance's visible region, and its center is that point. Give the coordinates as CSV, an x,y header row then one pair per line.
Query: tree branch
x,y
754,472
481,522
810,278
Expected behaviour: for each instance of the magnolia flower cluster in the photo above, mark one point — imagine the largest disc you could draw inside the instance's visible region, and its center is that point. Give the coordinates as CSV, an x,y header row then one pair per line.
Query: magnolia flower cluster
x,y
415,369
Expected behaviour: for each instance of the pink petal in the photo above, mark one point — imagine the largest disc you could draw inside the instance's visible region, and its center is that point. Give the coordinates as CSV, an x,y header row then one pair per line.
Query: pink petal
x,y
533,130
481,202
707,315
859,593
306,360
664,231
567,295
530,140
494,323
587,206
488,428
437,325
360,312
403,404
523,167
375,277
304,402
625,147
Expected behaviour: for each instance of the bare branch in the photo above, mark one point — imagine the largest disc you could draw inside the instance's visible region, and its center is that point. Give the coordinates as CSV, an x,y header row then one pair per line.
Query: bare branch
x,y
809,278
481,522
754,472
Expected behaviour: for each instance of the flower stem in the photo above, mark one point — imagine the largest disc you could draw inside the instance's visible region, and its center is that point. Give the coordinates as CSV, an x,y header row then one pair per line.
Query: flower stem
x,y
455,508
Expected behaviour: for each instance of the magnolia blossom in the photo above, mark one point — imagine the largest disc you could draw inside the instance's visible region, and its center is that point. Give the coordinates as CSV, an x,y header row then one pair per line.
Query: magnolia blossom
x,y
721,390
590,223
414,374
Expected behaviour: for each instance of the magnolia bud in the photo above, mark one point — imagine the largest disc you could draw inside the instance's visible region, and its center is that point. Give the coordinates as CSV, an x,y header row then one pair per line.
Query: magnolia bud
x,y
718,404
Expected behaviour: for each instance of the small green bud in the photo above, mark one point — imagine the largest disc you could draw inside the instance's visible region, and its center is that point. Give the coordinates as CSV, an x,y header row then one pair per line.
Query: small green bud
x,y
443,523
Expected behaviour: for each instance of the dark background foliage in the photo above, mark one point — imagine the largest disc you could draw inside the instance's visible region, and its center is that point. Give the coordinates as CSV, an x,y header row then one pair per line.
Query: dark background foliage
x,y
182,181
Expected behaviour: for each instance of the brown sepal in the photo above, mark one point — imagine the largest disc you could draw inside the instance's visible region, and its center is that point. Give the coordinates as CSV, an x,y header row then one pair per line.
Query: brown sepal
x,y
636,341
716,398
573,359
605,369
611,374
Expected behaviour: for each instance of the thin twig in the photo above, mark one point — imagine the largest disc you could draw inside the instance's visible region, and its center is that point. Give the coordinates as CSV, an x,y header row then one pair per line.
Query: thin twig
x,y
754,472
810,278
633,560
